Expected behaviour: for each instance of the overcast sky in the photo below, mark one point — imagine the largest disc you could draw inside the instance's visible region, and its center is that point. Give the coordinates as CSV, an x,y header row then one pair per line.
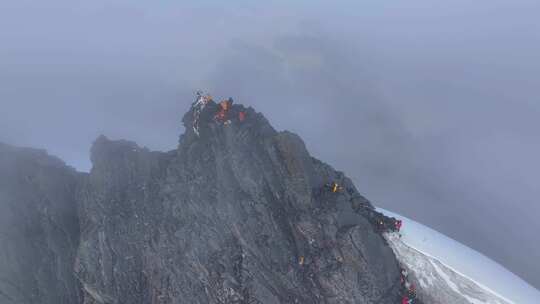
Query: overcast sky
x,y
431,106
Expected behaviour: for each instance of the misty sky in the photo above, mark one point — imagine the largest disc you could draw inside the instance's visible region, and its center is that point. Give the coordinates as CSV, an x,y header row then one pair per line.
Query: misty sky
x,y
432,107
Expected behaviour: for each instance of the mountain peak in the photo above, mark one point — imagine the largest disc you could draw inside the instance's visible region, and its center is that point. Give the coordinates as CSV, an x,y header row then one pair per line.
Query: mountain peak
x,y
206,118
238,213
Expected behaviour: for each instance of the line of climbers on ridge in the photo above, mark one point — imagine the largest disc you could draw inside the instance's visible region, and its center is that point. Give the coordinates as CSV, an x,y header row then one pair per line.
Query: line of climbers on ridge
x,y
382,224
408,290
221,116
379,220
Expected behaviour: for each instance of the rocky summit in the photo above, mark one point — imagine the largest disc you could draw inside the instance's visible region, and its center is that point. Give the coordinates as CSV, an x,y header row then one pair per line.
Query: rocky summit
x,y
238,213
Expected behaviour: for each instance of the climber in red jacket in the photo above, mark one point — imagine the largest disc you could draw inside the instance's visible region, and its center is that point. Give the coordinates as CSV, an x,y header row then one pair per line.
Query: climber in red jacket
x,y
398,225
242,116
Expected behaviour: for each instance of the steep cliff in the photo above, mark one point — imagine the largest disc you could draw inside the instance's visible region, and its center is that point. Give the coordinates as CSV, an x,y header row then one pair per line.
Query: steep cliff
x,y
236,214
38,228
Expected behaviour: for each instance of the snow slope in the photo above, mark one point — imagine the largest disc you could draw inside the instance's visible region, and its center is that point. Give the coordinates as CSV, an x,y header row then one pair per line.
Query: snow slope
x,y
438,283
464,271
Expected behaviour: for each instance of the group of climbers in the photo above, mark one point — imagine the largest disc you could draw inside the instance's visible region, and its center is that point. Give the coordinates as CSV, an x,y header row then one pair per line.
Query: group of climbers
x,y
385,224
408,290
222,115
381,222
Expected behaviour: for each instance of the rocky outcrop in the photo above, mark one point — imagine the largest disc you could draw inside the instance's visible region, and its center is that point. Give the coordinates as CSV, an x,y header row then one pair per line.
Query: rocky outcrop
x,y
236,214
38,228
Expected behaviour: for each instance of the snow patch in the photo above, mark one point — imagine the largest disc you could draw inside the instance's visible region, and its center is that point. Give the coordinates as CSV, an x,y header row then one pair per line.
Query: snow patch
x,y
463,261
445,277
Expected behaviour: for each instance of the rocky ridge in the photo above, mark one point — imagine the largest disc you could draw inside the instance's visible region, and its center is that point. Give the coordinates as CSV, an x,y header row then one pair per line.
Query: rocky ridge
x,y
236,214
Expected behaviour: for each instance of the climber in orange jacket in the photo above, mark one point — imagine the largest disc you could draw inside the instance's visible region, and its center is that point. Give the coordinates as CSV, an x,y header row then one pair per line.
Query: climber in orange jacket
x,y
224,108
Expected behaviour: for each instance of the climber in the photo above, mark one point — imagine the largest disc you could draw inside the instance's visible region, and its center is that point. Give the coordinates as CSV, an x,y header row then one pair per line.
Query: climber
x,y
404,275
411,293
227,104
404,272
301,261
403,278
221,115
398,225
242,116
381,226
407,285
405,300
333,187
202,100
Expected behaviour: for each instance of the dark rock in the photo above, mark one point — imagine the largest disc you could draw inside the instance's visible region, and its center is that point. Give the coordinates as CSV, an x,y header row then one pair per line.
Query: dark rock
x,y
38,228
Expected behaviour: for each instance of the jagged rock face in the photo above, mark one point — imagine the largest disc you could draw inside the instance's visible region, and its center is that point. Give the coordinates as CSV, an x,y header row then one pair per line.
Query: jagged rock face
x,y
235,215
38,228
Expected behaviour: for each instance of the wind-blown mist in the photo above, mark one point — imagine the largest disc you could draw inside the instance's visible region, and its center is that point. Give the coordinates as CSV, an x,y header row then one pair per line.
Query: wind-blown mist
x,y
431,107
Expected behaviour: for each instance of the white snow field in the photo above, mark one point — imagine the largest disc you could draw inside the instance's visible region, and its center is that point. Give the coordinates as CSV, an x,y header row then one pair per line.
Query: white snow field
x,y
451,272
